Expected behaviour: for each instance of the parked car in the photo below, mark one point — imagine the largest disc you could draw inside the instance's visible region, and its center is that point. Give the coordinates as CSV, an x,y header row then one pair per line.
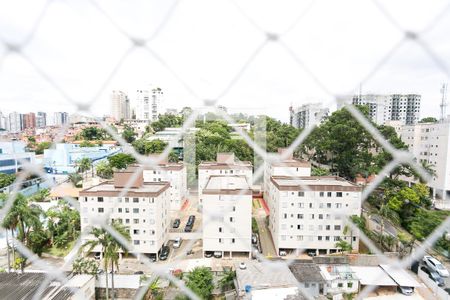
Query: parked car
x,y
164,253
242,266
435,265
138,273
283,253
218,254
406,290
97,255
433,276
176,223
191,220
209,254
311,253
188,228
177,243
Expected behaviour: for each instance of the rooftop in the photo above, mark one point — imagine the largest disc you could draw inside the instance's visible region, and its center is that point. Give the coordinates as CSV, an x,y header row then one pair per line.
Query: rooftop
x,y
108,189
306,272
315,183
221,184
225,161
333,272
264,276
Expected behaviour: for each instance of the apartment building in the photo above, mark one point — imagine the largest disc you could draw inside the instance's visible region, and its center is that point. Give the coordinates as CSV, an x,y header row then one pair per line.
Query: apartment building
x,y
307,115
396,107
41,119
308,213
29,121
120,106
149,104
175,174
227,215
430,143
225,164
15,122
286,167
143,209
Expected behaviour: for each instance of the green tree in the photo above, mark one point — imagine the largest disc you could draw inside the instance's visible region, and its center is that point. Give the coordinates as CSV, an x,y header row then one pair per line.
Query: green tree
x,y
93,133
87,144
129,134
121,160
149,147
82,265
42,146
6,179
318,171
428,120
110,248
84,165
167,120
76,179
200,281
343,245
63,223
41,195
104,170
226,282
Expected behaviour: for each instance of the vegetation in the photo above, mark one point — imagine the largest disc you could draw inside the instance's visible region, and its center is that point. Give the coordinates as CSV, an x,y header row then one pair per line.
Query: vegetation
x,y
39,148
145,147
87,144
82,265
167,120
343,245
226,282
317,171
200,281
128,134
41,195
63,223
84,165
110,248
121,160
6,179
104,170
93,134
76,179
255,228
428,120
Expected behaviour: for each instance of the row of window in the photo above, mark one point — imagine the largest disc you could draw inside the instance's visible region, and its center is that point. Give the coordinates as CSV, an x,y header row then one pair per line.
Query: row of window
x,y
312,238
311,216
126,200
312,205
312,227
321,194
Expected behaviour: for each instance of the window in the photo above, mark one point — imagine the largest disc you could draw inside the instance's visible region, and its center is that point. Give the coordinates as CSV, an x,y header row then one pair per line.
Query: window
x,y
338,205
310,205
100,209
320,216
328,205
300,227
135,200
349,284
233,240
299,237
311,216
299,216
340,284
136,221
321,194
306,284
127,210
320,205
284,216
100,199
119,210
136,242
283,226
337,227
220,241
127,221
337,238
319,238
300,205
135,231
231,219
220,229
127,200
338,194
135,210
301,194
327,238
328,194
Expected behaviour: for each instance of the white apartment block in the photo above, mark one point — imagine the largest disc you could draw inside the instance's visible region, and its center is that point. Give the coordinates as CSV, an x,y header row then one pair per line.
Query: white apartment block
x,y
15,124
309,213
307,115
143,209
176,175
226,164
149,104
395,107
430,143
286,167
227,215
120,106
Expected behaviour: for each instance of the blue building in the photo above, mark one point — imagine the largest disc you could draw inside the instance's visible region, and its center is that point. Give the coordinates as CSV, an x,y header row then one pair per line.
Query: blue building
x,y
12,155
64,158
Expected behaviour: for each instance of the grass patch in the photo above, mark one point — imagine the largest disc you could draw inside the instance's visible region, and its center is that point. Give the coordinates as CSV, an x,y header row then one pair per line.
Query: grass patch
x,y
256,203
255,228
60,252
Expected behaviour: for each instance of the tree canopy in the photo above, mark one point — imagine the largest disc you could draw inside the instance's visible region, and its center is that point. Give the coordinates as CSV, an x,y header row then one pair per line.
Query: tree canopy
x,y
428,120
200,281
167,120
93,133
121,160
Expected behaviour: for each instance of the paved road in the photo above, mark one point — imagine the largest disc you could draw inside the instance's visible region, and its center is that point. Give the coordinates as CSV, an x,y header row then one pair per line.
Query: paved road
x,y
265,237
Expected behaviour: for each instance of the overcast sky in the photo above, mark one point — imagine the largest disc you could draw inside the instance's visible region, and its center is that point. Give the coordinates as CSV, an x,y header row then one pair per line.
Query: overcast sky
x,y
206,43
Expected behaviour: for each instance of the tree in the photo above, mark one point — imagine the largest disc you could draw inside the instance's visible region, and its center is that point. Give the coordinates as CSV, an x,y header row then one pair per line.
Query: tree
x,y
121,160
6,179
84,164
145,147
343,245
82,265
167,120
110,248
318,171
226,282
129,134
63,223
428,120
87,144
93,134
75,178
42,146
41,195
104,170
200,281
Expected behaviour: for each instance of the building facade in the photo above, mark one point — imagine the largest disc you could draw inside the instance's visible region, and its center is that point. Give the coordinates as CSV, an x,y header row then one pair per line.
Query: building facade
x,y
13,155
396,107
29,121
41,119
15,124
308,213
226,164
307,115
60,118
120,106
286,167
143,209
227,215
430,144
175,174
149,104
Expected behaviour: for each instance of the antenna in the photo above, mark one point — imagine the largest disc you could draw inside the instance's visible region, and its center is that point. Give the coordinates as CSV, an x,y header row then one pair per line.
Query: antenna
x,y
443,101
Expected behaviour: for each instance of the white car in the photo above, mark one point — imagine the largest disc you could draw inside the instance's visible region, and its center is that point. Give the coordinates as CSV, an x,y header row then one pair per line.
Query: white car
x,y
406,290
434,265
242,266
177,243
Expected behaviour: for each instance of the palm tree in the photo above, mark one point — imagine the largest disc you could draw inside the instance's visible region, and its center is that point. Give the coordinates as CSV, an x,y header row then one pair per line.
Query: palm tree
x,y
386,212
110,248
343,245
84,164
226,281
346,230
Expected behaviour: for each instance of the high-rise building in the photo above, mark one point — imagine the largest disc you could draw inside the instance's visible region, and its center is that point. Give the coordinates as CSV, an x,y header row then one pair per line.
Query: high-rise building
x,y
29,120
3,121
307,115
149,104
41,119
120,106
60,118
395,107
15,122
